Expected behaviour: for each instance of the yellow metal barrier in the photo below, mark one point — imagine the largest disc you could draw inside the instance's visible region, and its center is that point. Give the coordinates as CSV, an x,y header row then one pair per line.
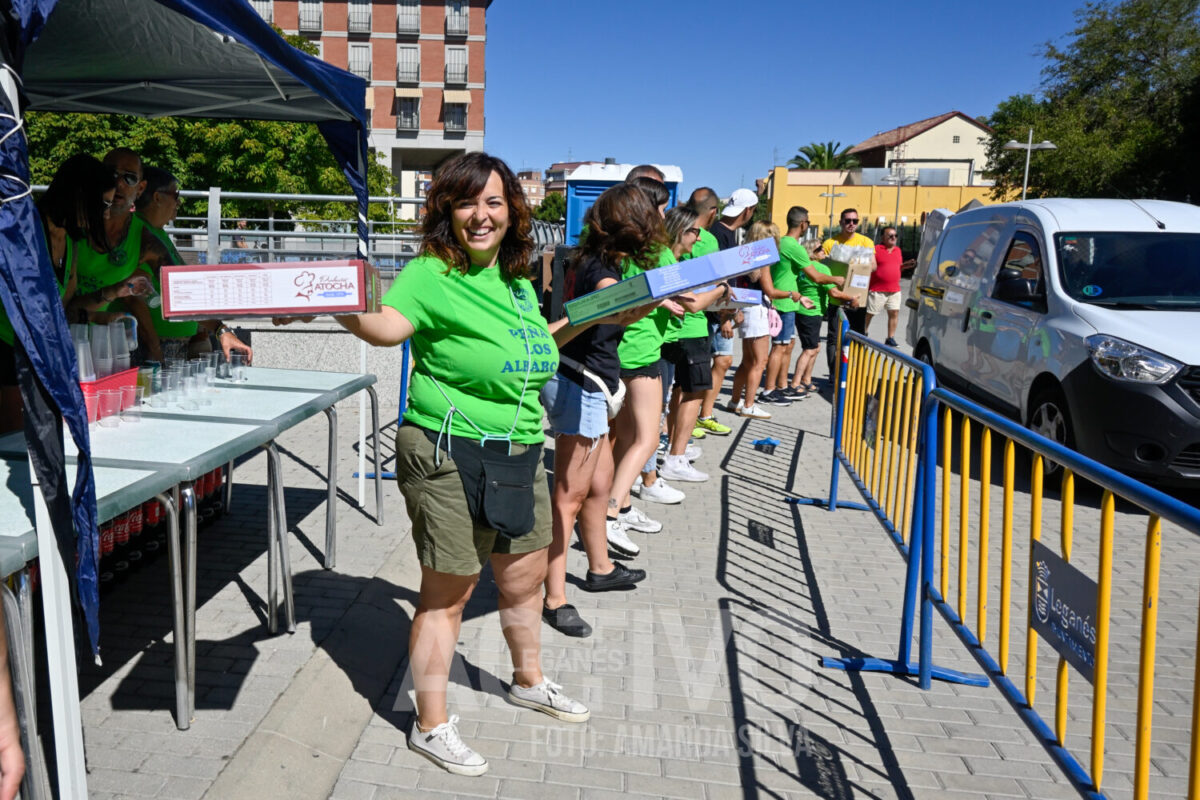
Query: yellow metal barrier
x,y
1061,586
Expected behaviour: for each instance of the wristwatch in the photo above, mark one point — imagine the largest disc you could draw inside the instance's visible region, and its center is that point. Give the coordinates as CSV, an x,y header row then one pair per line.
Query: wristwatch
x,y
221,330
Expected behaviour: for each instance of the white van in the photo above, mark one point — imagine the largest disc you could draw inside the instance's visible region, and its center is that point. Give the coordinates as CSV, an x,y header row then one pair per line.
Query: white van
x,y
1077,317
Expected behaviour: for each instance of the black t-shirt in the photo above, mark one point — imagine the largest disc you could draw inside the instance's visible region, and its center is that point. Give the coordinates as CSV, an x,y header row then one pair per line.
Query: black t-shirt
x,y
725,237
595,348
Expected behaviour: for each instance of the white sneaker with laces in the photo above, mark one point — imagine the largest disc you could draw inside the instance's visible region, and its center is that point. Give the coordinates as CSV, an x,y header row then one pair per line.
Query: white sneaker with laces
x,y
636,519
660,492
619,540
754,412
548,698
677,468
443,746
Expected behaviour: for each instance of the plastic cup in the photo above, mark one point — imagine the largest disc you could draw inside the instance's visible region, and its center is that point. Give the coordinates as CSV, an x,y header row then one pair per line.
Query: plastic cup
x,y
110,408
91,402
131,403
237,367
83,355
121,363
104,367
170,384
145,379
189,396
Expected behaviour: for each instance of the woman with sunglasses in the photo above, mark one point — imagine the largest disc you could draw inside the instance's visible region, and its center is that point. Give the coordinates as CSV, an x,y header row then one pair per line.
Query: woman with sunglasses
x,y
73,209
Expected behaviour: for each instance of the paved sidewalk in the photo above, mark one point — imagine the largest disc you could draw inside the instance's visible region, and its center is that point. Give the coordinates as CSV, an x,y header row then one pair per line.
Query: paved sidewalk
x,y
703,683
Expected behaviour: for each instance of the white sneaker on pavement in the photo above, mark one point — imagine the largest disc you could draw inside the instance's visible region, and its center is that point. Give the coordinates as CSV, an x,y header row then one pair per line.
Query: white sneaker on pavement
x,y
443,746
660,492
636,519
677,468
754,412
619,540
548,698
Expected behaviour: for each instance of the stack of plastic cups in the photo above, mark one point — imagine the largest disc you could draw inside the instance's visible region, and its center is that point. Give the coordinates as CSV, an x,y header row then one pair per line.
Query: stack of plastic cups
x,y
120,334
102,353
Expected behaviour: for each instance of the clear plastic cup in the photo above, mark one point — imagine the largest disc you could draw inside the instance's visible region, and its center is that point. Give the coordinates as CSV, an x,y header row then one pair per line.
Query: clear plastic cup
x,y
91,401
170,382
104,367
189,399
110,408
237,367
83,355
131,403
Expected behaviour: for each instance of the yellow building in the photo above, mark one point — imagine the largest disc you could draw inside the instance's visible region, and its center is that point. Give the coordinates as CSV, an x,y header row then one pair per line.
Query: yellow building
x,y
875,204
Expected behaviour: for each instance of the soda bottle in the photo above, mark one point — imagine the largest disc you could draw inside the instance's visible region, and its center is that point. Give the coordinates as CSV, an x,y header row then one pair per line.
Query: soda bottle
x,y
136,528
152,520
121,546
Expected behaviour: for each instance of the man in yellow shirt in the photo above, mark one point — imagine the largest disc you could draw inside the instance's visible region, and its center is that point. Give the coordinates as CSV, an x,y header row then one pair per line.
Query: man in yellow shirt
x,y
857,317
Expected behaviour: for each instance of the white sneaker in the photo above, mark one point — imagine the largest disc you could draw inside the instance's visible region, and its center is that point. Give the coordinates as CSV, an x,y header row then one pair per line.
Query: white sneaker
x,y
444,747
548,698
754,412
660,492
619,540
636,519
677,468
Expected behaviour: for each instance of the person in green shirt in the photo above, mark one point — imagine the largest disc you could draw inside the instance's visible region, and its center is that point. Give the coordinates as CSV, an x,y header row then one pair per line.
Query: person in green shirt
x,y
820,286
481,353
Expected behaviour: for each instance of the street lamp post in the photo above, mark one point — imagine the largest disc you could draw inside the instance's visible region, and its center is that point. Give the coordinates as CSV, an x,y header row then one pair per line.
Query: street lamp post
x,y
832,199
1029,147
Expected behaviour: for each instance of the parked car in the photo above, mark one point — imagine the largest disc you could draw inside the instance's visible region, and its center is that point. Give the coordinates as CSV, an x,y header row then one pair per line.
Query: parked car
x,y
1076,317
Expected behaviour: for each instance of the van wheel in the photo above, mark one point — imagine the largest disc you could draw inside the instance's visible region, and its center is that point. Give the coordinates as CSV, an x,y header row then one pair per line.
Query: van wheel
x,y
1050,416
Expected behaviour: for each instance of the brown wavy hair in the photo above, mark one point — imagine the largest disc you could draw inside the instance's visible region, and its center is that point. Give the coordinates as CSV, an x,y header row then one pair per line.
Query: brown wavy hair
x,y
622,225
464,177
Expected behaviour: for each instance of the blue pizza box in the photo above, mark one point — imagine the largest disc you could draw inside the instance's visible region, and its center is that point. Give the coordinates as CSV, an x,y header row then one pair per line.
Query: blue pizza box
x,y
671,280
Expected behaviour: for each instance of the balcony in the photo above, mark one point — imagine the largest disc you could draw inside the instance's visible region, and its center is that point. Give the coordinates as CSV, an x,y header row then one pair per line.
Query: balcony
x,y
408,73
360,67
359,21
456,24
456,73
456,125
310,20
407,122
408,20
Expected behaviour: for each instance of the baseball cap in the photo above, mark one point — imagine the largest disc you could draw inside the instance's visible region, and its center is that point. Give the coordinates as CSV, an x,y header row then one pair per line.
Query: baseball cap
x,y
739,201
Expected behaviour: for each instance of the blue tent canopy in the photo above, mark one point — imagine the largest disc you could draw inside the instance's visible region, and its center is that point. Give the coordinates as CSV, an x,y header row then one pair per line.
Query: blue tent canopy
x,y
151,58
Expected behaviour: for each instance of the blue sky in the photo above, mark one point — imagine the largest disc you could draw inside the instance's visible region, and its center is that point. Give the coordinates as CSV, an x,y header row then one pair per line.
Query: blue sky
x,y
728,89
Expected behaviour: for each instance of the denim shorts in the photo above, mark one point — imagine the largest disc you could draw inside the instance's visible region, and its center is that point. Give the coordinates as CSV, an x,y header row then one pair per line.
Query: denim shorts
x,y
720,345
787,330
573,411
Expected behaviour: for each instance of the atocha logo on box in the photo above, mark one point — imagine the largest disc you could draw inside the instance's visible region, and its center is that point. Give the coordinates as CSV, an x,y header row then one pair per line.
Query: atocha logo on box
x,y
328,286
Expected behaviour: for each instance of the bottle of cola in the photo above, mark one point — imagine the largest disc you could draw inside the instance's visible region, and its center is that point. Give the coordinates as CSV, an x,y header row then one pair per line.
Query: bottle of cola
x,y
136,556
121,547
107,577
153,519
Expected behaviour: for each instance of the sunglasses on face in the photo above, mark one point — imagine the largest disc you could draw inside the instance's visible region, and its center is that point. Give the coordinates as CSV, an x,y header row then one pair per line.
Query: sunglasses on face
x,y
693,230
173,195
850,220
130,178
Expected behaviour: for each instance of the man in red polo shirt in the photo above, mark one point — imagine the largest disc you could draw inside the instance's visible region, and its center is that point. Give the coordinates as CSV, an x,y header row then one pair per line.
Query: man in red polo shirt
x,y
884,290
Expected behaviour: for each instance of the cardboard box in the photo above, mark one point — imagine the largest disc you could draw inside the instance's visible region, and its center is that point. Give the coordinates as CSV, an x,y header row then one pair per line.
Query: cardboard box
x,y
858,279
671,280
738,298
301,288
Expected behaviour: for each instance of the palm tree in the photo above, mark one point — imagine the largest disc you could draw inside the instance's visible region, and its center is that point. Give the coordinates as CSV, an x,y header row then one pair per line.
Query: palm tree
x,y
824,155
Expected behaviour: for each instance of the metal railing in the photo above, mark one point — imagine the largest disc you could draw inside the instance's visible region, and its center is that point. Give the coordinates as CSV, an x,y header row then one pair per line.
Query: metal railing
x,y
408,19
457,24
456,73
408,73
359,18
310,19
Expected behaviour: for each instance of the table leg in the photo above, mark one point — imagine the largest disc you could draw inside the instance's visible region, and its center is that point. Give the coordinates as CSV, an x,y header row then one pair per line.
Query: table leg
x,y
187,501
36,783
272,539
183,704
331,492
228,487
378,467
282,540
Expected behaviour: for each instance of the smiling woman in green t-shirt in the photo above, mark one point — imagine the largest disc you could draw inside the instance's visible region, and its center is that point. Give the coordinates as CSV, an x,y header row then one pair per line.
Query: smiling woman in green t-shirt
x,y
482,352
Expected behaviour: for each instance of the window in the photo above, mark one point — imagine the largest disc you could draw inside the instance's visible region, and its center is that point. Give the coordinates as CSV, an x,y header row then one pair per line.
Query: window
x,y
456,18
360,60
263,7
359,19
456,65
1022,265
408,63
310,15
955,140
455,116
408,114
408,16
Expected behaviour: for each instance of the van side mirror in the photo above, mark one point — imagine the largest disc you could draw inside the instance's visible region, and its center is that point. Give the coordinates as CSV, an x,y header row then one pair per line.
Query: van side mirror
x,y
1011,287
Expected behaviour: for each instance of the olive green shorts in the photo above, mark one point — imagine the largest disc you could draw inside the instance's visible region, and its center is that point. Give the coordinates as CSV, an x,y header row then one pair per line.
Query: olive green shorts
x,y
447,539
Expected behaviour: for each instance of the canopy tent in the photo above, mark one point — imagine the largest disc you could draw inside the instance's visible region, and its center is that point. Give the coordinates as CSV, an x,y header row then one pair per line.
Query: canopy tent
x,y
200,58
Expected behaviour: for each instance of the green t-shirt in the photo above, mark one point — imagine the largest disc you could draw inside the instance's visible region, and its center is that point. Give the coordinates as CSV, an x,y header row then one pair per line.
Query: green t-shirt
x,y
793,258
817,292
97,270
166,329
695,323
476,338
642,343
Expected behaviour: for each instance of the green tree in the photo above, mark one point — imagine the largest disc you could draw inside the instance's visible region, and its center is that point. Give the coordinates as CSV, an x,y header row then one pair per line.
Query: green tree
x,y
824,155
552,209
237,155
1119,99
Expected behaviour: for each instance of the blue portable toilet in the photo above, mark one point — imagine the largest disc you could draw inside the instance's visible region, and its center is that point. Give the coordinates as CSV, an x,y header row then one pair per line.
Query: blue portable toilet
x,y
587,182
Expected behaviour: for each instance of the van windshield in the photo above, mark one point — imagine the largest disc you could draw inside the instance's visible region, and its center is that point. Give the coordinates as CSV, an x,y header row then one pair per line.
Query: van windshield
x,y
1131,270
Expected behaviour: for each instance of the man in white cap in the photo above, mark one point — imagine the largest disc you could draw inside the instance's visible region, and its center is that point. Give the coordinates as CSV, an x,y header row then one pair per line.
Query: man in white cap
x,y
736,214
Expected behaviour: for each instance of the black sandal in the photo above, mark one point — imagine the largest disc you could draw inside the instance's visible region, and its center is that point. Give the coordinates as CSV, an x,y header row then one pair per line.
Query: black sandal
x,y
566,620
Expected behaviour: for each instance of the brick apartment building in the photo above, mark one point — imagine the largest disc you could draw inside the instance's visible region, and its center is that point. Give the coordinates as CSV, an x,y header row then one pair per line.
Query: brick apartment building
x,y
424,60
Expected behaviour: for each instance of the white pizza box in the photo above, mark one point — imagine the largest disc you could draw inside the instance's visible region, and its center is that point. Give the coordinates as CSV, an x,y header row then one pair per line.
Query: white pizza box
x,y
671,280
299,288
